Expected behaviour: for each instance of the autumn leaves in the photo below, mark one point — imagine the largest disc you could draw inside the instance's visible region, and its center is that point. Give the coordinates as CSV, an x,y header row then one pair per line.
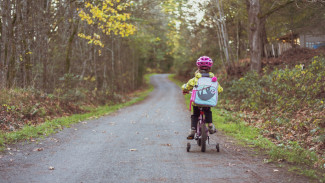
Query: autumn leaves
x,y
107,17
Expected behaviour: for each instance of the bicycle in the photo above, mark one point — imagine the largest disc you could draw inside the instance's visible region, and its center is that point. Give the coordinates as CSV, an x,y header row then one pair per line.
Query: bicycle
x,y
202,134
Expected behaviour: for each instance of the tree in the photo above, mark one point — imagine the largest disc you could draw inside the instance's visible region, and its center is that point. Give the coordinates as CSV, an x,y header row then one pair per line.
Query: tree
x,y
254,10
257,29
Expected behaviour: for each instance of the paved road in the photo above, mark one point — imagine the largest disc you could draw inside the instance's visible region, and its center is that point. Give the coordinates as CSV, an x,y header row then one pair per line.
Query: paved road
x,y
141,143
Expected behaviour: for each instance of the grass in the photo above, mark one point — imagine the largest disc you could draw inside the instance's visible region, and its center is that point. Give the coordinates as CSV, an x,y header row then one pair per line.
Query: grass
x,y
231,124
53,126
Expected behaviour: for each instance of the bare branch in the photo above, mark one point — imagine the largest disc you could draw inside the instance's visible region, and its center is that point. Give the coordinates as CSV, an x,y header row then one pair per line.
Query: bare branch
x,y
276,8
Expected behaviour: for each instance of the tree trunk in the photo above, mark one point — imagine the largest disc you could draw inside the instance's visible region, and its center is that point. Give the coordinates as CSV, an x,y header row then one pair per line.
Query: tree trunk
x,y
3,45
255,34
69,47
223,30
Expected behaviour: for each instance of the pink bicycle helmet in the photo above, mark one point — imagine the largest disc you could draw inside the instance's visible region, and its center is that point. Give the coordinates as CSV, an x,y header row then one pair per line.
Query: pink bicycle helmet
x,y
204,61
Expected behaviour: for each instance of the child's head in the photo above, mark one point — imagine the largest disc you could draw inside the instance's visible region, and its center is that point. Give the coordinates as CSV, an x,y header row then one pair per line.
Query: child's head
x,y
204,63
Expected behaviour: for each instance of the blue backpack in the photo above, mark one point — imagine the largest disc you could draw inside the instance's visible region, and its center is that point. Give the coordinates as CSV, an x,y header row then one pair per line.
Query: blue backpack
x,y
205,93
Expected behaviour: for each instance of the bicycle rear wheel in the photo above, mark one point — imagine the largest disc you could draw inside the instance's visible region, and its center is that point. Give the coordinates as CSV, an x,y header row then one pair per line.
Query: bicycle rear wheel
x,y
203,137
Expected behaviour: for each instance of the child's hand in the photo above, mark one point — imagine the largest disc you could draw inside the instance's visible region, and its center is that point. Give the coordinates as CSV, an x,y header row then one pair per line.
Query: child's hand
x,y
185,92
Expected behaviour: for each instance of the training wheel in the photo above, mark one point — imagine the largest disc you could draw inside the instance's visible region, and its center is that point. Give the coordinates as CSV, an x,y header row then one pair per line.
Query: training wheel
x,y
217,147
188,147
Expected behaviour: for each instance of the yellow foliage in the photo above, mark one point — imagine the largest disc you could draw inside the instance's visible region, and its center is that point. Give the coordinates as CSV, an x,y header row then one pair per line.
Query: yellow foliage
x,y
107,20
92,40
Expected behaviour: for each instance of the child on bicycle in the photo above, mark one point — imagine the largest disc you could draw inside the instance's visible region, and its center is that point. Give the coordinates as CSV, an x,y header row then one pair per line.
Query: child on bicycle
x,y
204,65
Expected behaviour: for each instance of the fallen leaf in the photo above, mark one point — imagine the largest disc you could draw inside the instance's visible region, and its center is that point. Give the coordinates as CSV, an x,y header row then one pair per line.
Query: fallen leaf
x,y
266,160
133,149
38,149
166,144
280,160
55,140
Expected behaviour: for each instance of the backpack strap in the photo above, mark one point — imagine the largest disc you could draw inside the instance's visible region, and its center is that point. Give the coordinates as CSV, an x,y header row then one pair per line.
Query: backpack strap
x,y
192,98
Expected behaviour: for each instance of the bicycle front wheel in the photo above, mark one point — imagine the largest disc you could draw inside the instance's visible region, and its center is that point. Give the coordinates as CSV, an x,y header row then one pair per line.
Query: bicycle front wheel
x,y
204,137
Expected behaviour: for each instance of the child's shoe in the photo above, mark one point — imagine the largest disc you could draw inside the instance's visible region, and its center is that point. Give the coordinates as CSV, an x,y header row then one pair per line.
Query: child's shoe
x,y
192,133
212,129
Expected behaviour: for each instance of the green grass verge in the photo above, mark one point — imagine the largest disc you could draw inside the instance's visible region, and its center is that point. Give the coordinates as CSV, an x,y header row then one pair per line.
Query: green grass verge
x,y
231,124
50,127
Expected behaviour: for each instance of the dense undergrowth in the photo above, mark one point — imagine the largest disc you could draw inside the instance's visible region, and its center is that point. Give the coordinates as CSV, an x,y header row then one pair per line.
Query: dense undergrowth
x,y
21,107
288,105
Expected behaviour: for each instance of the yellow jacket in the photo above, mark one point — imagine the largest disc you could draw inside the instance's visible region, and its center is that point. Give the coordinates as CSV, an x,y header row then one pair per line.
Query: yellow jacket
x,y
192,82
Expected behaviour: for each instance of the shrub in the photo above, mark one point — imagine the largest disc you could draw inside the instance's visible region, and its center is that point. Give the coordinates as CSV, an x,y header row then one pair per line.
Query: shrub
x,y
287,104
292,89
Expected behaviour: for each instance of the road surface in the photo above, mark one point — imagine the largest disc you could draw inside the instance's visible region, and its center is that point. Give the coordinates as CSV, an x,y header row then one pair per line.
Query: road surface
x,y
145,142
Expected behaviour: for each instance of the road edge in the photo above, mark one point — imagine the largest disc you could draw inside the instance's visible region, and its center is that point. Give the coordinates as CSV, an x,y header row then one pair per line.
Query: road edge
x,y
47,128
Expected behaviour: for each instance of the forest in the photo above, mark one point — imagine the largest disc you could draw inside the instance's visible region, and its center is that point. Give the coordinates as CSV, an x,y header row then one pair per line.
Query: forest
x,y
57,56
56,44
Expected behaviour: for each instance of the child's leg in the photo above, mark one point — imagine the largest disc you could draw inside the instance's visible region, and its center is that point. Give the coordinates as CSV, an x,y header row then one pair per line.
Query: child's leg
x,y
208,119
195,116
208,115
194,120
